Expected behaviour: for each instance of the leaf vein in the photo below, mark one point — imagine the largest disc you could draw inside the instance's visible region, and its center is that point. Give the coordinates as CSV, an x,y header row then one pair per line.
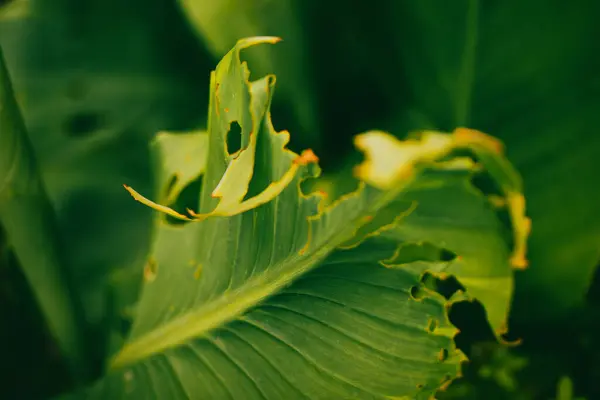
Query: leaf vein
x,y
332,374
236,365
211,369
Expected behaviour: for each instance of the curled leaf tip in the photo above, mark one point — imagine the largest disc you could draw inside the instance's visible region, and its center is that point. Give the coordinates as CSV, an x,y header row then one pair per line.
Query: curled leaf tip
x,y
510,343
134,194
307,157
251,41
473,136
521,230
270,39
158,207
518,261
389,160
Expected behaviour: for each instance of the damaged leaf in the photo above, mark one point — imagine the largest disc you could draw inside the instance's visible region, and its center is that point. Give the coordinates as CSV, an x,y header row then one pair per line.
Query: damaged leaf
x,y
267,287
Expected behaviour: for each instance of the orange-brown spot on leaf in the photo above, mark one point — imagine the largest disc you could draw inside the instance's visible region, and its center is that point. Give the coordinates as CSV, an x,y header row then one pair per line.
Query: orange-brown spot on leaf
x,y
445,384
303,250
150,270
198,271
518,261
368,218
226,109
307,157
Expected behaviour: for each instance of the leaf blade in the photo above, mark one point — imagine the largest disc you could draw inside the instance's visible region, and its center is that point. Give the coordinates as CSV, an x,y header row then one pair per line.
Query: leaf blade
x,y
270,270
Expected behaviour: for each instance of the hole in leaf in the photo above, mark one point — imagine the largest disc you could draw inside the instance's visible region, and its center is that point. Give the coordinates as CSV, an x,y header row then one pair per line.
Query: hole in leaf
x,y
169,186
432,324
443,355
83,124
412,252
189,197
417,293
263,175
446,286
446,255
471,320
234,138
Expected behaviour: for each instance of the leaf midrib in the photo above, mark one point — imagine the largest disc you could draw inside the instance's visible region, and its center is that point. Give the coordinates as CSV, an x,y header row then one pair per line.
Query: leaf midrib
x,y
232,305
226,308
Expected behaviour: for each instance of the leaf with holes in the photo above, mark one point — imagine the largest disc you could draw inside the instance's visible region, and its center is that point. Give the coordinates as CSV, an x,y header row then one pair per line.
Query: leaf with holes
x,y
266,293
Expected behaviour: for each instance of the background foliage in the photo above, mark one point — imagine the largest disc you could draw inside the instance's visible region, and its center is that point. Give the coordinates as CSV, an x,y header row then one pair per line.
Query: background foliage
x,y
97,79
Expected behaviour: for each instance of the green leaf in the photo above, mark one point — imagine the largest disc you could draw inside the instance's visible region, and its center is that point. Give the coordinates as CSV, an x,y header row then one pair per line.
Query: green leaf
x,y
28,221
290,298
527,72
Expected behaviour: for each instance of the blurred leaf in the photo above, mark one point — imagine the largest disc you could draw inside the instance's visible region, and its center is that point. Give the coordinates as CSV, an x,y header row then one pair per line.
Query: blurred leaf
x,y
30,231
290,298
564,389
14,9
26,343
97,79
502,368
